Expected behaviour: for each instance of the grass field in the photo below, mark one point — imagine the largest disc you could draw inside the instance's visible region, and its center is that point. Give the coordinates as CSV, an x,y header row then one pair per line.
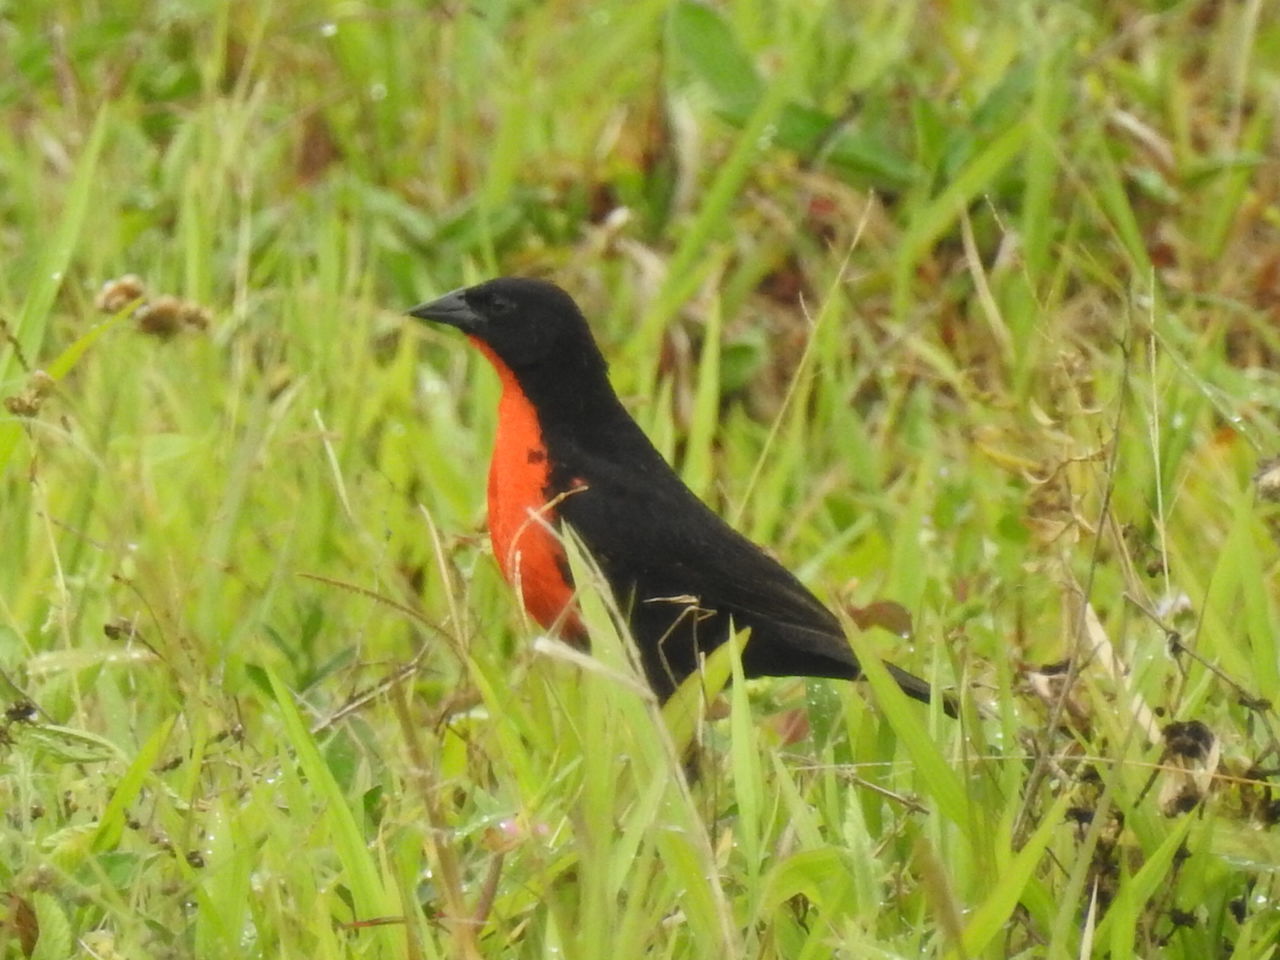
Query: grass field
x,y
970,312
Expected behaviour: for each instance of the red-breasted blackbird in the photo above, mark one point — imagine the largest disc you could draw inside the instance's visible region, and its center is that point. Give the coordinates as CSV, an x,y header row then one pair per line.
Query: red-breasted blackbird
x,y
567,452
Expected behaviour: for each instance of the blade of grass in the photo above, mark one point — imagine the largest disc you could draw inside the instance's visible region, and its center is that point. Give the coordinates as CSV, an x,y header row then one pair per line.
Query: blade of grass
x,y
944,786
50,269
1010,886
111,823
940,214
360,871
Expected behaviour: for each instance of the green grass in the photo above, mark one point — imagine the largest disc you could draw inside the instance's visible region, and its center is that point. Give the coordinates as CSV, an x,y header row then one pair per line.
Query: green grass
x,y
971,308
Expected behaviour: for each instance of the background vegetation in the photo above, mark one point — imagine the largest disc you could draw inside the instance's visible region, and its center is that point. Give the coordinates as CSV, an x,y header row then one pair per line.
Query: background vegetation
x,y
969,311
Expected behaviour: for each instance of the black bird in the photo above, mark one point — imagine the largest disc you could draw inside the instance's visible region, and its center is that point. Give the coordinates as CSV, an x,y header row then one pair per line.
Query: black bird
x,y
567,452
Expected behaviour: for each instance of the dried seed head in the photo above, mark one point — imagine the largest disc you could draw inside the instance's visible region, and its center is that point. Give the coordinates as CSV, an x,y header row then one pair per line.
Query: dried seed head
x,y
162,317
117,294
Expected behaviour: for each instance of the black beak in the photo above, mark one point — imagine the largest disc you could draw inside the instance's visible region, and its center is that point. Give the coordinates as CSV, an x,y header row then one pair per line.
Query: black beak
x,y
451,309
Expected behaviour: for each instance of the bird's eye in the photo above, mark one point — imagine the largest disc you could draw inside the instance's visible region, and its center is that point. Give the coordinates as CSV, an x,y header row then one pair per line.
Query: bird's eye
x,y
500,306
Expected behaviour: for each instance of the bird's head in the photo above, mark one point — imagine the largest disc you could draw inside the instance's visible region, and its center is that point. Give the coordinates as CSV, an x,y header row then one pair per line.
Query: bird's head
x,y
526,324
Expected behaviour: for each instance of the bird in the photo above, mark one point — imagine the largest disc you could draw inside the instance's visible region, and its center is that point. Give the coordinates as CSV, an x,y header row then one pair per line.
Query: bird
x,y
568,453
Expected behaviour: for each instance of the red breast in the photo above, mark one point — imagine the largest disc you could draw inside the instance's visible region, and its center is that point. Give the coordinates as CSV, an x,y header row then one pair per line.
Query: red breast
x,y
521,519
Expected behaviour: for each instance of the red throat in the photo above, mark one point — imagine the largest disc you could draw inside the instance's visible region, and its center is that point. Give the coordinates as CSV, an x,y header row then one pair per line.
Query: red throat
x,y
521,522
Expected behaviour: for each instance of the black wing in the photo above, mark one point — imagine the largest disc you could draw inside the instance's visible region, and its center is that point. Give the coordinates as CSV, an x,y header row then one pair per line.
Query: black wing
x,y
655,540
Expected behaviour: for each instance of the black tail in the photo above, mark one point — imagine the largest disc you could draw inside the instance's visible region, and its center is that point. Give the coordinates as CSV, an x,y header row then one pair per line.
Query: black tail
x,y
918,689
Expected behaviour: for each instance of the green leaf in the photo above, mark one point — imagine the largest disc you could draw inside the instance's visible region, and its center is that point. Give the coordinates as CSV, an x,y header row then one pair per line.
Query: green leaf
x,y
811,873
1121,919
941,213
54,942
706,43
360,873
111,824
740,361
51,266
854,154
944,785
69,745
990,918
